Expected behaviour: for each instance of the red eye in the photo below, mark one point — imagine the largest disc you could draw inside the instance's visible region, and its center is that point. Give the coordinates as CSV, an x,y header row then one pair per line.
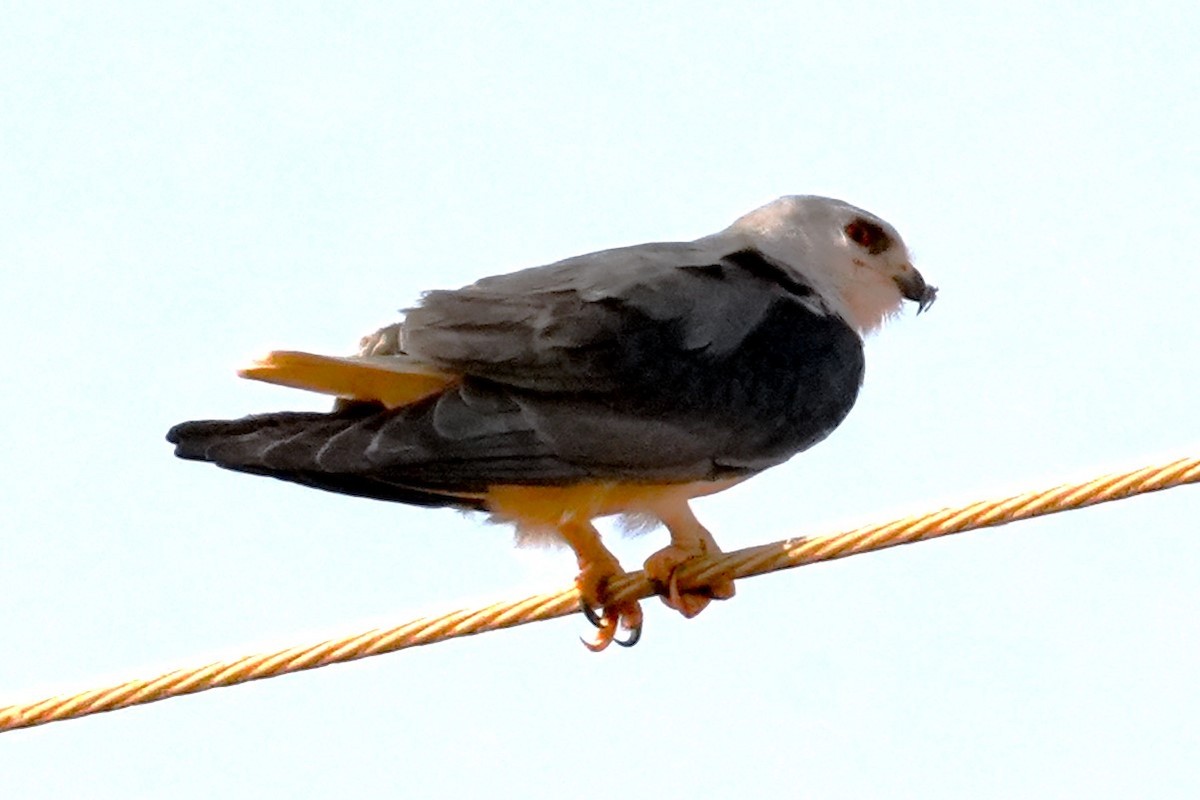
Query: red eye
x,y
868,235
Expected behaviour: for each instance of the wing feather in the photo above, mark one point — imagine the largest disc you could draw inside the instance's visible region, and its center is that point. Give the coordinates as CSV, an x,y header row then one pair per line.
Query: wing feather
x,y
659,363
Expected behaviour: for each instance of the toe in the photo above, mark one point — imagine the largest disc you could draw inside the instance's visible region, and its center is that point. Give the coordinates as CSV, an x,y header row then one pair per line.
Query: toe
x,y
690,604
662,569
721,589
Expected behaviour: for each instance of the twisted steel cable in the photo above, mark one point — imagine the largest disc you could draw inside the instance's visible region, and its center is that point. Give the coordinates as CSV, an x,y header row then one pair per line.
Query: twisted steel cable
x,y
634,586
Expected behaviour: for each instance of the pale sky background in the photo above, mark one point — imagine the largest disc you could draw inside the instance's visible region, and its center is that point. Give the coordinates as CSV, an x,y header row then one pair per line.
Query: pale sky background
x,y
183,187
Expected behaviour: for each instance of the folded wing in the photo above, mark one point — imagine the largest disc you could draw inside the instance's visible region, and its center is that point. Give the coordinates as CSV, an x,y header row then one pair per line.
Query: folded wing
x,y
657,363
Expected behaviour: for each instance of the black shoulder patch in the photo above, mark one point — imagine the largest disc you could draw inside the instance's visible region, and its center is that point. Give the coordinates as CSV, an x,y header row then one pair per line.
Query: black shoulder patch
x,y
757,264
716,271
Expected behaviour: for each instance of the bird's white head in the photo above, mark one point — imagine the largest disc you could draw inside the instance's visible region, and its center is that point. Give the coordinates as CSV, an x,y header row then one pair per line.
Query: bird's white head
x,y
855,260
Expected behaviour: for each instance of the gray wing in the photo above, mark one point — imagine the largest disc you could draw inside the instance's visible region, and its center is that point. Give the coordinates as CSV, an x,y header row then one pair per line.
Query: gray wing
x,y
676,360
585,324
667,362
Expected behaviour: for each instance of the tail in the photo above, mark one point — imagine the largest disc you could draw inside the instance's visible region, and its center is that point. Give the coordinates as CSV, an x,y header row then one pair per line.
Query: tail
x,y
392,380
286,445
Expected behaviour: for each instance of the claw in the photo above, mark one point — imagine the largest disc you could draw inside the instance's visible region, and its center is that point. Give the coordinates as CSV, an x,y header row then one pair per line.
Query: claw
x,y
635,635
604,637
606,629
597,568
590,615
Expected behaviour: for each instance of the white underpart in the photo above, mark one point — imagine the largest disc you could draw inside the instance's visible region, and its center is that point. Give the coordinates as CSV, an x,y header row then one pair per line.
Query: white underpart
x,y
808,235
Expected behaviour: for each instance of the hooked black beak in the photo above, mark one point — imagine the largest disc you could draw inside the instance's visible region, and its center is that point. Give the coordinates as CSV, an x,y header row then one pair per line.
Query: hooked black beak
x,y
913,287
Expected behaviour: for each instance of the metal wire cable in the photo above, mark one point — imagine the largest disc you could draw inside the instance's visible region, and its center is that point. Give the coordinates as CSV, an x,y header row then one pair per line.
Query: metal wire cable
x,y
634,586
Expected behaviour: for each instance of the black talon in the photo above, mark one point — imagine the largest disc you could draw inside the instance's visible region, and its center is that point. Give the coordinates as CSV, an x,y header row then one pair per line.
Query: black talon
x,y
635,635
590,615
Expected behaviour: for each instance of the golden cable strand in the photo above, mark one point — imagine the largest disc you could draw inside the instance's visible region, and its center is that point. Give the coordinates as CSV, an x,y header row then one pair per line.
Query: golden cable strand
x,y
983,514
740,564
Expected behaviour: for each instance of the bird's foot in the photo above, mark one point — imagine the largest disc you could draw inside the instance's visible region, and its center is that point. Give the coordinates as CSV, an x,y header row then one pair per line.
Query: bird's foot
x,y
593,583
662,568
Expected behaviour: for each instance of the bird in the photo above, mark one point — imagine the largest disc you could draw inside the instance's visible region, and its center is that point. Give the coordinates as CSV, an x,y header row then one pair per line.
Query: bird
x,y
628,382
